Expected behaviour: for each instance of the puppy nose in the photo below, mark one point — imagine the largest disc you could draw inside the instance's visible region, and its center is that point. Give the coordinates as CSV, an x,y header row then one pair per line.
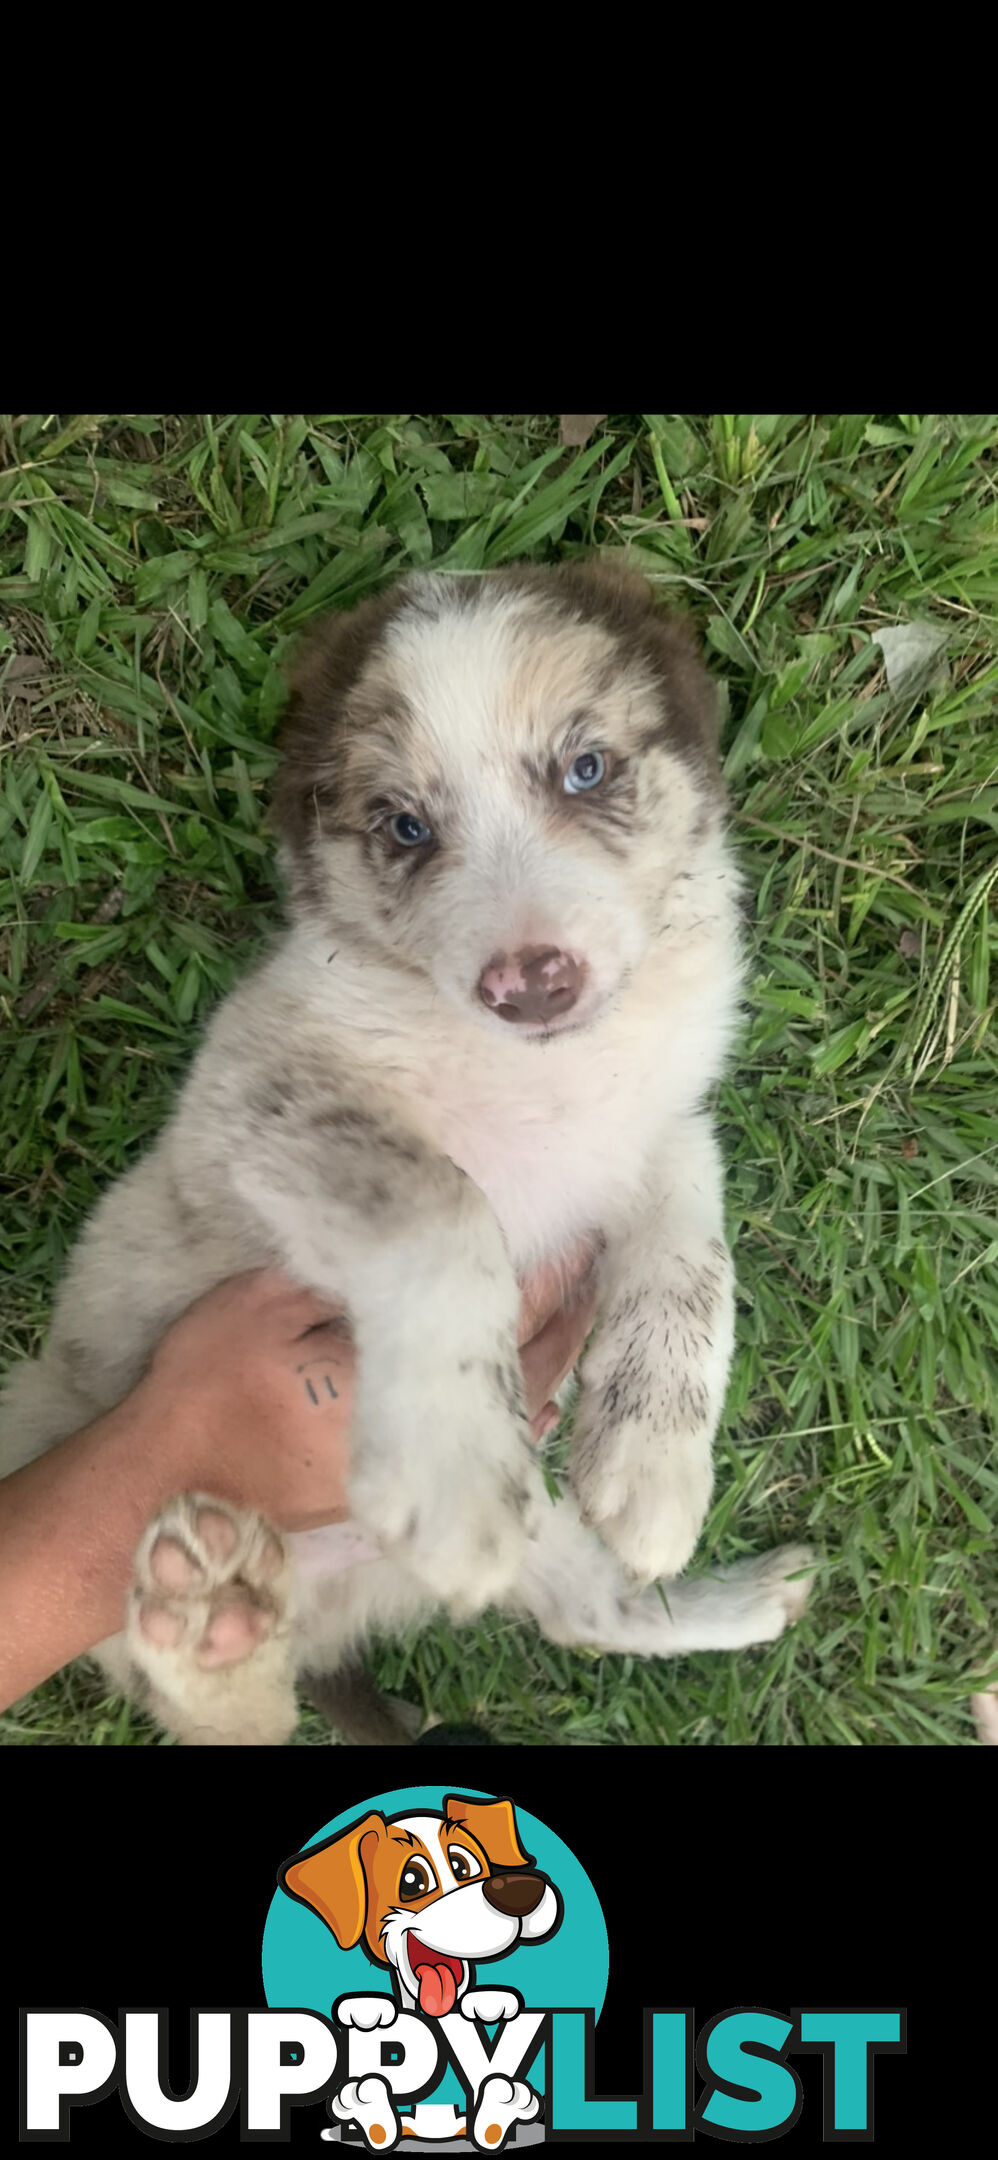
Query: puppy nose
x,y
514,1895
537,983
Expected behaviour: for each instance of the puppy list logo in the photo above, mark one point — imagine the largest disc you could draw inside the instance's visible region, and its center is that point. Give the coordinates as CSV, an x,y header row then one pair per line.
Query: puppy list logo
x,y
434,1967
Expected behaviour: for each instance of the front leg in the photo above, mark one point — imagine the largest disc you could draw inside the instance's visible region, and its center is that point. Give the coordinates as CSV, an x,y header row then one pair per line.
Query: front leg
x,y
654,1379
363,1212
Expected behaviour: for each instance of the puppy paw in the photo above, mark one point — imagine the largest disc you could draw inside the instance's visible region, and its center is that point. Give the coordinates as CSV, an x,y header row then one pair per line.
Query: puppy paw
x,y
456,1518
647,1498
765,1591
211,1584
469,1555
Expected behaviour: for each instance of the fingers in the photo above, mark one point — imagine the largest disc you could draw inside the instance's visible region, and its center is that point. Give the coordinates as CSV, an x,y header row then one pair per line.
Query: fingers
x,y
542,1296
545,1422
548,1359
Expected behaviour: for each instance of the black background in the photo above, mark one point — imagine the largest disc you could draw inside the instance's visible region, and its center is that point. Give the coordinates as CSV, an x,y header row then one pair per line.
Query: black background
x,y
744,1878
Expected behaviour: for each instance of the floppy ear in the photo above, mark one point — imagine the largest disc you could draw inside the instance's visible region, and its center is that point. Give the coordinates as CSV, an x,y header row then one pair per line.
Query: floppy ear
x,y
610,577
493,1823
325,670
332,1878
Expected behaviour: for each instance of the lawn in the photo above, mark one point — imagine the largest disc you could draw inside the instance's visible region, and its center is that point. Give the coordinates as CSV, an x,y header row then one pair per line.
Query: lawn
x,y
153,572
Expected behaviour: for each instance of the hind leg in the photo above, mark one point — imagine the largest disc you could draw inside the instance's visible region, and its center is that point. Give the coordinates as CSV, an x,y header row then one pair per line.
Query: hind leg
x,y
579,1594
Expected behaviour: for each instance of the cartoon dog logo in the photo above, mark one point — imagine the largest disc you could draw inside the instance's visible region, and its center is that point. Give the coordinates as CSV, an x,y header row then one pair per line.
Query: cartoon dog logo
x,y
430,1896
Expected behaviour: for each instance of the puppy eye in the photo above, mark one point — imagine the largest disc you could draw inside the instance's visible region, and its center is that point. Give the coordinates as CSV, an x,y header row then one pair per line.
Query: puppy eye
x,y
463,1864
585,771
416,1880
409,831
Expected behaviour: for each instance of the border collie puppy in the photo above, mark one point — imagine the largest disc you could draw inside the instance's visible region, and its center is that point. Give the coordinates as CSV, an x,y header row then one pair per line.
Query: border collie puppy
x,y
483,1044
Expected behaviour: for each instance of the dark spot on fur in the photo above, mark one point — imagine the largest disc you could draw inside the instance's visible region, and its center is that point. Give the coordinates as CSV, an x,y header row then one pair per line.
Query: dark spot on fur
x,y
508,1384
75,1356
516,1497
269,1102
189,1217
356,1129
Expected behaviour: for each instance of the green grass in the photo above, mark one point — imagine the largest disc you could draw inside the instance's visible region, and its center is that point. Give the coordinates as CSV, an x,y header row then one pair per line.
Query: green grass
x,y
153,570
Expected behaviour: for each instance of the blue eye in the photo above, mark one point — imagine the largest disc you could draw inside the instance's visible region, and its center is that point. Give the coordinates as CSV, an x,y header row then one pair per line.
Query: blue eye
x,y
585,771
409,831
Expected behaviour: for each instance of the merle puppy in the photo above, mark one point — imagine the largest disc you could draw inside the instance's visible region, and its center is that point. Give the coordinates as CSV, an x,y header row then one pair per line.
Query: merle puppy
x,y
485,1040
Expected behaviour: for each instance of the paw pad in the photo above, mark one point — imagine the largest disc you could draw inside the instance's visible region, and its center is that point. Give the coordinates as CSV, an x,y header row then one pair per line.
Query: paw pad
x,y
206,1580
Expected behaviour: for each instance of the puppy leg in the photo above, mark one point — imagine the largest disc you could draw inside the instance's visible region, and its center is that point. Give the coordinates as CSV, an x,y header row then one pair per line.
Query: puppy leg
x,y
578,1594
208,1624
655,1376
442,1473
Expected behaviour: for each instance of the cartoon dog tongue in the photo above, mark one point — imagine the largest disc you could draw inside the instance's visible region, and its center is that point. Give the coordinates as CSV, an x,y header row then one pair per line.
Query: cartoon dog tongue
x,y
437,1980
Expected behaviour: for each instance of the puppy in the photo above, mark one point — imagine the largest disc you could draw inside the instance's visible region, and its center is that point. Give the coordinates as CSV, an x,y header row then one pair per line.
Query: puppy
x,y
509,981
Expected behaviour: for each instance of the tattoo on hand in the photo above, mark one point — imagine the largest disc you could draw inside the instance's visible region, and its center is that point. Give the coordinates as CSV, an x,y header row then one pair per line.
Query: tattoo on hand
x,y
313,1389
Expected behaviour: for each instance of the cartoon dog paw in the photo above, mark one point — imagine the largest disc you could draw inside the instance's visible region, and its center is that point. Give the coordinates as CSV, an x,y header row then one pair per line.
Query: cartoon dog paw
x,y
368,2102
490,2004
501,2104
367,2012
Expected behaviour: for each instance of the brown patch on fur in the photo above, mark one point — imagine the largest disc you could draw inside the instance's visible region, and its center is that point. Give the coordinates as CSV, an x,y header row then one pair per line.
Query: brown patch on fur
x,y
624,604
621,601
328,670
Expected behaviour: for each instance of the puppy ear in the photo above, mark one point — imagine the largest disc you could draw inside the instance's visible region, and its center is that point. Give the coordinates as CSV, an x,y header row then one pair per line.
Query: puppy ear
x,y
332,1878
322,674
622,600
609,580
493,1823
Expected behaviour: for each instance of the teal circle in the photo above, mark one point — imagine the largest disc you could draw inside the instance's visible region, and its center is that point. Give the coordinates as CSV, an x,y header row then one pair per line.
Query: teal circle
x,y
304,1967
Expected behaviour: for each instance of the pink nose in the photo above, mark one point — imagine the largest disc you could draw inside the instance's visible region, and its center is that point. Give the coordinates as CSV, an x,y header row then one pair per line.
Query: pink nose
x,y
536,983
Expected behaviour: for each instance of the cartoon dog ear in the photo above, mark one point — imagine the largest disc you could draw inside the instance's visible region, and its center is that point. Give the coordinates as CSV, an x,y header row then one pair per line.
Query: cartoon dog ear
x,y
332,1878
493,1823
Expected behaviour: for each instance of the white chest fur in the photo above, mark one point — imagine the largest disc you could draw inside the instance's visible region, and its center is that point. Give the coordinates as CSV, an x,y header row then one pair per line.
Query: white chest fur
x,y
560,1134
